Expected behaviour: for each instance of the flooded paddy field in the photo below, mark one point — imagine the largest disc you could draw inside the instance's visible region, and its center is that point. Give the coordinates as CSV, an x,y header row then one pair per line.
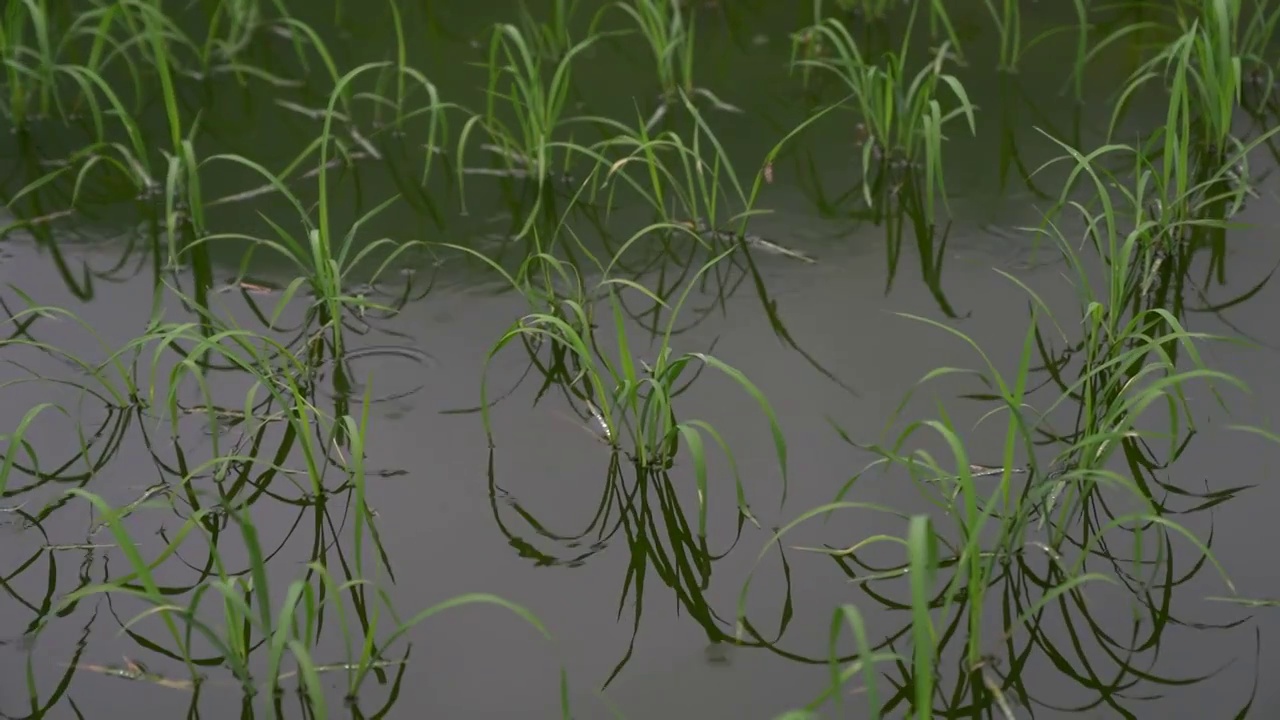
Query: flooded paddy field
x,y
645,359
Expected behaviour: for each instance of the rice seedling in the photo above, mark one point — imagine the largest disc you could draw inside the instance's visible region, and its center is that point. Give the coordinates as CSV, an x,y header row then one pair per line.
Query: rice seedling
x,y
630,399
1034,597
121,150
1008,21
1093,38
700,179
670,37
232,25
27,84
326,264
45,47
1131,361
940,24
626,399
669,31
113,383
685,182
1202,72
1193,170
1255,39
685,189
1191,180
691,184
902,120
527,143
552,37
997,526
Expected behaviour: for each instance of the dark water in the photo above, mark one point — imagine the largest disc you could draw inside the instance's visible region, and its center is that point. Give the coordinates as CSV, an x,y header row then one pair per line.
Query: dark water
x,y
523,521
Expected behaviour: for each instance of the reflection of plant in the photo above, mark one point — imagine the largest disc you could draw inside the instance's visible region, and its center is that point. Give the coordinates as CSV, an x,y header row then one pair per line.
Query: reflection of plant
x,y
640,508
1045,611
898,202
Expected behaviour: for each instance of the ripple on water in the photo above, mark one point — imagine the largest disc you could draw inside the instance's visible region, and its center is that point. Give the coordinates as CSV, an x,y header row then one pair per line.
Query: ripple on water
x,y
401,372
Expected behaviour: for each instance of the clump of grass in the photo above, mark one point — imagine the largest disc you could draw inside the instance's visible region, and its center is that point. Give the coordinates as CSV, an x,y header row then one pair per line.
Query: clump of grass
x,y
669,29
1257,64
527,140
879,10
326,263
670,37
691,183
630,400
552,38
677,177
47,48
1007,18
902,117
867,9
1135,360
1203,75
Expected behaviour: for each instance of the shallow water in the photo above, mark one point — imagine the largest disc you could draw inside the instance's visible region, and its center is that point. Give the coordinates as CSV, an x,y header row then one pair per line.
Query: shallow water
x,y
521,520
